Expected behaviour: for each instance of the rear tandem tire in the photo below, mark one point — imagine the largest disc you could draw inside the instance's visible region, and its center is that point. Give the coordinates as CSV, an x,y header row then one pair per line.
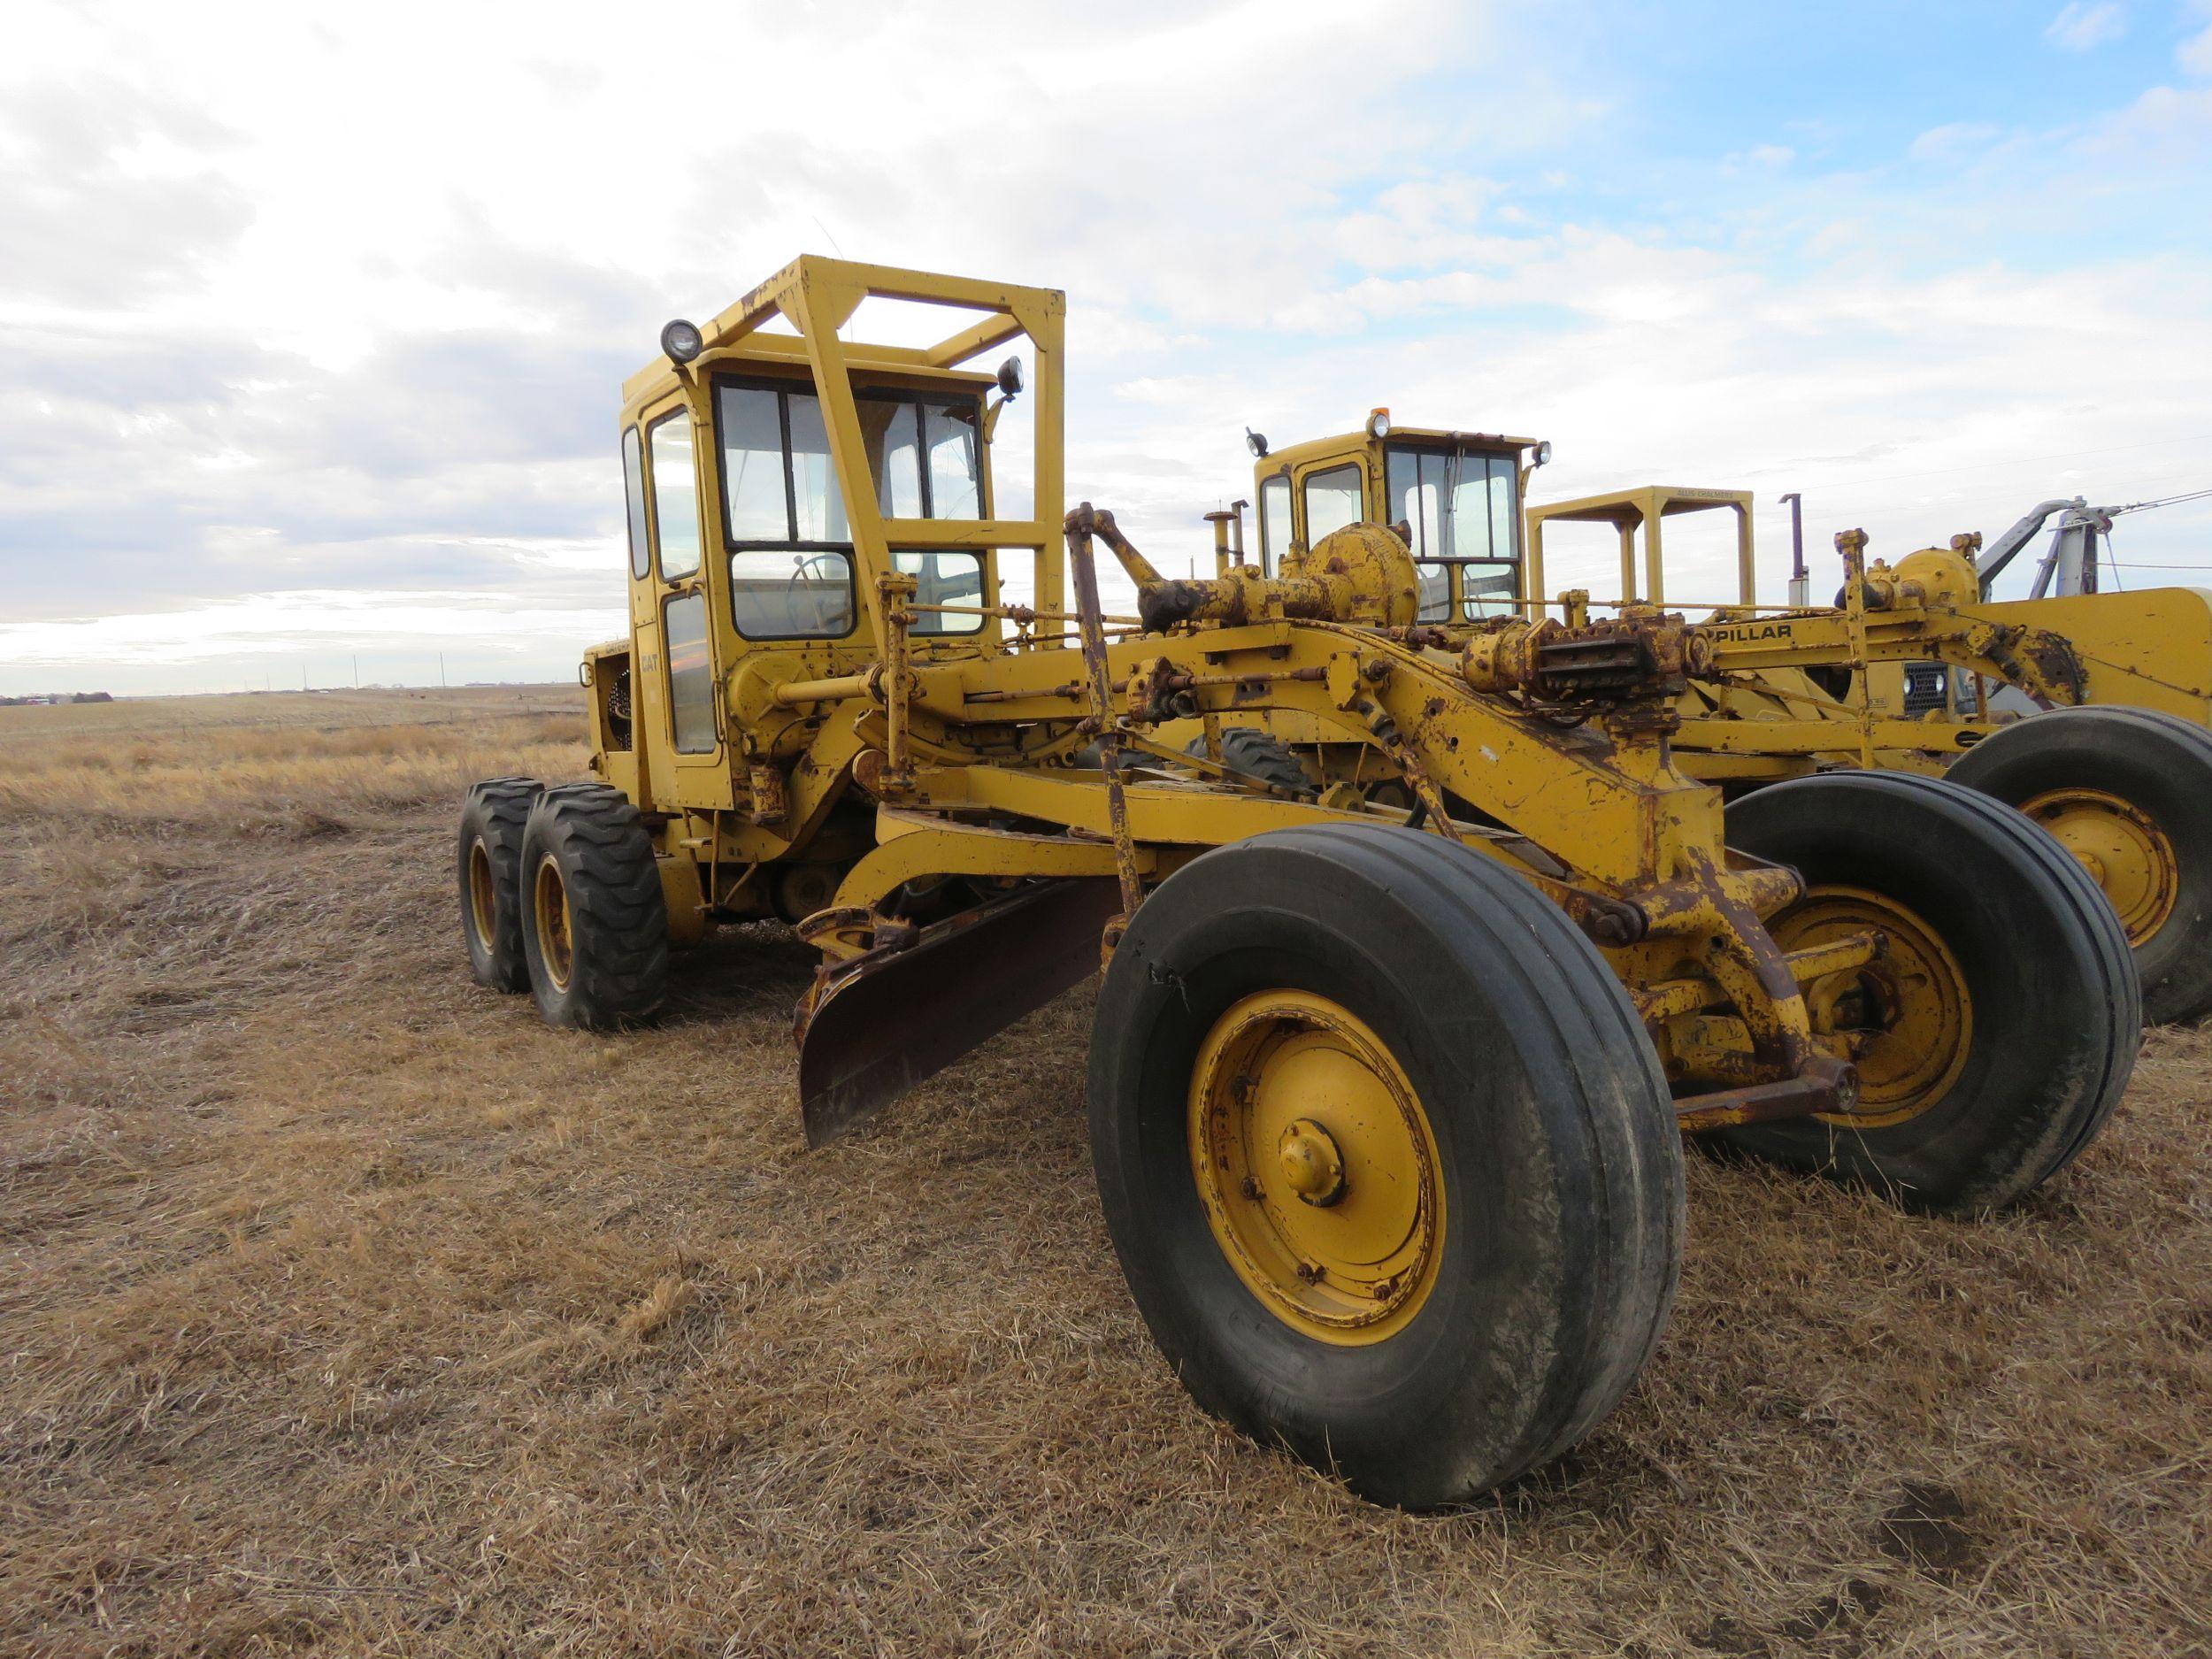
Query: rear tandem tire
x,y
1393,1011
595,923
490,856
1261,755
2003,1021
2129,792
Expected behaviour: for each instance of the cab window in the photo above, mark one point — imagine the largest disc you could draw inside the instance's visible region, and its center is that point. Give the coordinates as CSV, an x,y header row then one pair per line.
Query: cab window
x,y
952,461
1331,501
675,496
944,577
633,503
792,571
1461,511
1274,522
790,594
755,498
690,674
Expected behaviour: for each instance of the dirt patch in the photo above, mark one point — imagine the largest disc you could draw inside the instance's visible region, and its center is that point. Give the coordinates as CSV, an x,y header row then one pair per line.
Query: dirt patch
x,y
1927,1529
344,1308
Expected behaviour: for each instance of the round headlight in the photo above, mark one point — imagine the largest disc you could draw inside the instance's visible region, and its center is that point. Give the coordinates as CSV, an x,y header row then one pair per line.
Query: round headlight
x,y
682,341
1009,376
1543,453
1256,442
1378,423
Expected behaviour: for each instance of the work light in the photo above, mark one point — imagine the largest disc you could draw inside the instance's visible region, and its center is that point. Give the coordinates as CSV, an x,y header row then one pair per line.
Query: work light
x,y
682,341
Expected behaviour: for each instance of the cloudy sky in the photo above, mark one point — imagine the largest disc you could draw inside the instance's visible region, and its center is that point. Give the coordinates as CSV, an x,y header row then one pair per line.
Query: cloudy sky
x,y
313,319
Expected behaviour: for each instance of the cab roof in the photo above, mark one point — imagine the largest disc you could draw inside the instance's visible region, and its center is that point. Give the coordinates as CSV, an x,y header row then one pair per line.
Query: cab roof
x,y
1319,449
738,335
785,354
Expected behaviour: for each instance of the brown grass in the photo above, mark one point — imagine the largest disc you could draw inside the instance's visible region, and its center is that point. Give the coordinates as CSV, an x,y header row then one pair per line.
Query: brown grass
x,y
347,1307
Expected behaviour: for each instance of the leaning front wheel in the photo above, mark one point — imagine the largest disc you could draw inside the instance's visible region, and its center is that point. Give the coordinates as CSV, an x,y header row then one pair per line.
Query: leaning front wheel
x,y
1318,1166
1997,1028
2128,792
1386,1157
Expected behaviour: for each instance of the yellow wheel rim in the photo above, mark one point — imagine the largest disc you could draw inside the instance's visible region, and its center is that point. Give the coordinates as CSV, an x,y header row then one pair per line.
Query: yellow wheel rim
x,y
1317,1167
1904,1019
483,895
556,946
2128,853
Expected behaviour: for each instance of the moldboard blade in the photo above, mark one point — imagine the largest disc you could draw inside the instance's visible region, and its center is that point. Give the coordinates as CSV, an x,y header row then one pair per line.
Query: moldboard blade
x,y
892,1018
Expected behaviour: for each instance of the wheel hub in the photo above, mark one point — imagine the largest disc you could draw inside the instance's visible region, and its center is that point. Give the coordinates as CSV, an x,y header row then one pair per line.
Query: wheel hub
x,y
556,946
483,895
1317,1167
1905,1018
2121,847
1313,1166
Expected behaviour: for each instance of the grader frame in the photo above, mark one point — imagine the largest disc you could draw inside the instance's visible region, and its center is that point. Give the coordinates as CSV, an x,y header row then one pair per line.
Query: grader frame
x,y
958,742
1354,1077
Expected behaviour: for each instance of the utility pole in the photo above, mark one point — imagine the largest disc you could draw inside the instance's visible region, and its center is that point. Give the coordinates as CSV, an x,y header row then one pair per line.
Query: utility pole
x,y
441,671
357,671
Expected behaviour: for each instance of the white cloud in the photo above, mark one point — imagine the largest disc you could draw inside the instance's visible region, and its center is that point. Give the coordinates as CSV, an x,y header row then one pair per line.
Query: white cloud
x,y
2194,55
329,344
2081,28
1954,140
1764,157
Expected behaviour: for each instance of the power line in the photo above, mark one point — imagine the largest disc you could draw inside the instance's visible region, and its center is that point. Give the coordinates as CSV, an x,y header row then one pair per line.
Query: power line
x,y
2166,501
1978,466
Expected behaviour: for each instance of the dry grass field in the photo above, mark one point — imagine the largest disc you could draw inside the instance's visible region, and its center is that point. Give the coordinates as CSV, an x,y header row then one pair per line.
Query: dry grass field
x,y
346,1309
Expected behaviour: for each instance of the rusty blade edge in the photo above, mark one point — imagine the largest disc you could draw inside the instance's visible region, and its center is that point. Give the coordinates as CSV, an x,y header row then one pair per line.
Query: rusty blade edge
x,y
889,1023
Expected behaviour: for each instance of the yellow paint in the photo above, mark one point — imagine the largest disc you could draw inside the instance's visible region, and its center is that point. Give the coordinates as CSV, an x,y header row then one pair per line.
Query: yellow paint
x,y
556,935
483,893
1317,1167
1905,1016
2121,847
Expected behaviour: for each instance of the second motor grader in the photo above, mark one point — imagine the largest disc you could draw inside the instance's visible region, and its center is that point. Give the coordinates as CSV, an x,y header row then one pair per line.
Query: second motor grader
x,y
2118,767
1386,1120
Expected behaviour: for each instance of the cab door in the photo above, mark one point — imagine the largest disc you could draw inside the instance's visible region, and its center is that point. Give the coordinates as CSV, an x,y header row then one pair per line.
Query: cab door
x,y
680,615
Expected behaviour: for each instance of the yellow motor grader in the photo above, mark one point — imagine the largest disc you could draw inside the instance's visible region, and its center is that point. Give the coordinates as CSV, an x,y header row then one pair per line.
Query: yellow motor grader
x,y
1911,670
1386,1120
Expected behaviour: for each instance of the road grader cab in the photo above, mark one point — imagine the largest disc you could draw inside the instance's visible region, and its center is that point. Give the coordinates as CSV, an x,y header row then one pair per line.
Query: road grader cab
x,y
1911,670
1386,1114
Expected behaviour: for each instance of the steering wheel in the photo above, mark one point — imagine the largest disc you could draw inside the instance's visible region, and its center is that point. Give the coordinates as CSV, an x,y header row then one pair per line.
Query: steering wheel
x,y
803,609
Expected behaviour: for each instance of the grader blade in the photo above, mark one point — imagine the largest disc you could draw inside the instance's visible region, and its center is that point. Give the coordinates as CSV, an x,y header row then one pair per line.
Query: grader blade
x,y
874,1026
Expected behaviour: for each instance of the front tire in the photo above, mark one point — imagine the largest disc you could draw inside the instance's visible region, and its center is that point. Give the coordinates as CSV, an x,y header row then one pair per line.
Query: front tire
x,y
1997,1032
489,859
2128,792
1388,1158
596,931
